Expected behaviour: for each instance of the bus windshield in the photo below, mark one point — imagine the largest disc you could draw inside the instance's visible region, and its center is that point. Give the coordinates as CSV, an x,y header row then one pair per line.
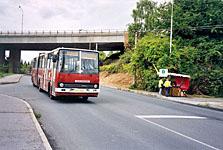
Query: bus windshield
x,y
89,62
83,62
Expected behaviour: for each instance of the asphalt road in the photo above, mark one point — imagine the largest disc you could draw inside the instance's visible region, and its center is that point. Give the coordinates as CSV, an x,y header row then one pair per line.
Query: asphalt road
x,y
119,120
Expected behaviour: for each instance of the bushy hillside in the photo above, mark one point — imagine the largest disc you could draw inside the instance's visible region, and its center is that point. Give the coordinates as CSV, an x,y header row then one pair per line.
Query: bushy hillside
x,y
197,48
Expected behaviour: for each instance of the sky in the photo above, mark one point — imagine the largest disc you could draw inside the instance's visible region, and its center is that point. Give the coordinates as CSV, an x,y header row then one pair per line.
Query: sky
x,y
65,15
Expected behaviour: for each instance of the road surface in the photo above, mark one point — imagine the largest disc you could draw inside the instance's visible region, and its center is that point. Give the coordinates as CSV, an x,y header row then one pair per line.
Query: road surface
x,y
119,120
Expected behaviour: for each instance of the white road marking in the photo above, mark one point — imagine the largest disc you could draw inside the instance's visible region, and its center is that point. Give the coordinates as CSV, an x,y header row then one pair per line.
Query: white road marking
x,y
178,133
169,117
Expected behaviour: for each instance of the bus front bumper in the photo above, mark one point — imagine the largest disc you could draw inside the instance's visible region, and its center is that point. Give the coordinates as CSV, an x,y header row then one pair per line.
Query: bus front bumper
x,y
77,90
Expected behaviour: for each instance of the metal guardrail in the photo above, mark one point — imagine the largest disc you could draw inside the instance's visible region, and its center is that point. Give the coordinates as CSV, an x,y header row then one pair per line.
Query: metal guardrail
x,y
80,32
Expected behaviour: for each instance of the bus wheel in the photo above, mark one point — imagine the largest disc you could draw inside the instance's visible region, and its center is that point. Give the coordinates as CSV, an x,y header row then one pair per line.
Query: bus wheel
x,y
84,98
49,90
34,85
33,82
40,89
50,94
52,97
39,86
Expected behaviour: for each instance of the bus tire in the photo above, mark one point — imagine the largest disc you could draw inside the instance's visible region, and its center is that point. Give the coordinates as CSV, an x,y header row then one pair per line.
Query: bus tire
x,y
32,82
34,85
50,93
52,97
40,90
84,98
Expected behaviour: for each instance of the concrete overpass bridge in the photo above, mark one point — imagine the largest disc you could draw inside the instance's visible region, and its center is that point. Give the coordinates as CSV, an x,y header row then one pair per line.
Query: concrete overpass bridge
x,y
106,40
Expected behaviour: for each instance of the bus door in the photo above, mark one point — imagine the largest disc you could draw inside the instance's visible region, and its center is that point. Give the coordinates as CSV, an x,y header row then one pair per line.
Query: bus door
x,y
48,75
45,73
54,61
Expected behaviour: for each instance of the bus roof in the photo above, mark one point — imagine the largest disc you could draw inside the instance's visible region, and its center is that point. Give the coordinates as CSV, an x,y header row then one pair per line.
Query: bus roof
x,y
59,48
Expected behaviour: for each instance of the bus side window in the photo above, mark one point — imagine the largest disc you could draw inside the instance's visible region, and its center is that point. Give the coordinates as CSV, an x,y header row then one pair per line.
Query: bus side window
x,y
48,63
40,63
35,64
43,64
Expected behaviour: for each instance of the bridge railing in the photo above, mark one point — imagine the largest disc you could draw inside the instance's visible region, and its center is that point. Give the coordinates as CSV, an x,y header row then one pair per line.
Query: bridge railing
x,y
80,32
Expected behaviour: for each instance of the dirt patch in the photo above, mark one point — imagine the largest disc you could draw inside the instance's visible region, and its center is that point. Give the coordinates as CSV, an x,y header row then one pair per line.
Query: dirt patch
x,y
120,80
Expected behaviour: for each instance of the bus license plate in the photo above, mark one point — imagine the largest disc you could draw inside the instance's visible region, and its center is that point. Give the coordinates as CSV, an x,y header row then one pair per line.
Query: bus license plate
x,y
77,90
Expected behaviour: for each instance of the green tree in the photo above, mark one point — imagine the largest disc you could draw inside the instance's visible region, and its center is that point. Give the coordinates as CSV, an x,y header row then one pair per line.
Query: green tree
x,y
145,18
204,63
190,18
197,45
145,15
151,49
102,56
197,17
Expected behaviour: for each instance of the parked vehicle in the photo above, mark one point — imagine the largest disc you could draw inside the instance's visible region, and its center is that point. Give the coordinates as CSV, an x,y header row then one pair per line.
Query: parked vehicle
x,y
67,72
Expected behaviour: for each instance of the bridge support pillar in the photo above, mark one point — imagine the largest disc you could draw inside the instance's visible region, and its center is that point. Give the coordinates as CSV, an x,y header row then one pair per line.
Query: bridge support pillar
x,y
96,46
89,46
2,57
14,61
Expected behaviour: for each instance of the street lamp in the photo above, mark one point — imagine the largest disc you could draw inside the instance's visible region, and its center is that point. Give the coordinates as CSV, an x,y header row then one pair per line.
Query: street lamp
x,y
20,7
171,27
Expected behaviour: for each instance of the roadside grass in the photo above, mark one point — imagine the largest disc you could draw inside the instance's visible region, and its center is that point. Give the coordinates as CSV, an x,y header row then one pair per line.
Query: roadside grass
x,y
201,96
3,74
204,105
38,115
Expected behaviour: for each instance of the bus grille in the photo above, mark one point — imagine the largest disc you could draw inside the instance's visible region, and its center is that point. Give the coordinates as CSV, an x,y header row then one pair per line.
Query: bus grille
x,y
78,85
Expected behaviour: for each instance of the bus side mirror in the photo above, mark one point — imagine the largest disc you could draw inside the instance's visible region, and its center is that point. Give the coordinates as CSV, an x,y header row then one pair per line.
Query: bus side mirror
x,y
55,58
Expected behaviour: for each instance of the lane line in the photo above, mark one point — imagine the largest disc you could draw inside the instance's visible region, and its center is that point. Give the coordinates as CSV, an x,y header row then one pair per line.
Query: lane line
x,y
178,133
169,117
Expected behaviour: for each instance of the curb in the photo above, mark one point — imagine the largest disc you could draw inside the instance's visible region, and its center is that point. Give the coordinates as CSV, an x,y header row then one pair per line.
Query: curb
x,y
37,125
134,91
13,82
200,105
164,98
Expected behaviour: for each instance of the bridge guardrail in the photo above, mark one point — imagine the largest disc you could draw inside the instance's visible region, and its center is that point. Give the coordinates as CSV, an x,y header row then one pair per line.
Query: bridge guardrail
x,y
80,32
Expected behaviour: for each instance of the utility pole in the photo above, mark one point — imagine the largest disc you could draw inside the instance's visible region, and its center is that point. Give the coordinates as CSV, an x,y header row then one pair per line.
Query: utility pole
x,y
20,7
171,27
136,38
134,67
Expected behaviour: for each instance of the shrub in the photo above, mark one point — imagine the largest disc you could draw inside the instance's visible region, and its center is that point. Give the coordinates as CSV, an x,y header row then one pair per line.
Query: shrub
x,y
200,58
112,68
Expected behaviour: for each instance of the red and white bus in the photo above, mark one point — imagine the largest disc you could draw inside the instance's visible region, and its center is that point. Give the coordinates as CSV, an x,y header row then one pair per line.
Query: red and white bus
x,y
67,72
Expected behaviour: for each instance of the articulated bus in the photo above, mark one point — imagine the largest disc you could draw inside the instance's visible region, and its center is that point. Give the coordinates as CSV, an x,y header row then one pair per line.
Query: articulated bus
x,y
67,72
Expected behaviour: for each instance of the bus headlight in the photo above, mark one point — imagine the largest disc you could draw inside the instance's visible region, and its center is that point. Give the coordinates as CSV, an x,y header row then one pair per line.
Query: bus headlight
x,y
61,85
95,86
